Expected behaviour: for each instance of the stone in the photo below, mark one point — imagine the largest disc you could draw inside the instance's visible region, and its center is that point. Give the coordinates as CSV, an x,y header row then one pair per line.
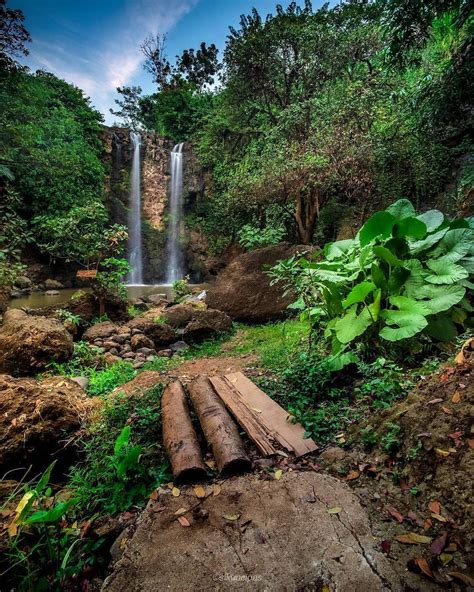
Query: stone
x,y
179,346
100,331
150,358
138,364
147,351
23,282
82,381
98,342
29,343
120,338
206,323
159,333
126,348
87,306
51,293
157,299
243,289
139,341
136,332
139,304
110,359
195,298
114,351
280,538
129,355
179,315
165,353
109,344
38,420
50,284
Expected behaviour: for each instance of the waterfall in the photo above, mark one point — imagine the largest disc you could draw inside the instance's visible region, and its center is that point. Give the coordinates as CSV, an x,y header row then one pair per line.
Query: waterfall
x,y
135,216
174,255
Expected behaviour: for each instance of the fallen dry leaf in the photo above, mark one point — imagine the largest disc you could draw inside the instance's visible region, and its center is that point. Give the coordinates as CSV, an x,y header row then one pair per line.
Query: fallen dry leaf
x,y
461,358
278,474
351,475
200,491
433,401
434,507
395,514
439,518
447,410
442,453
180,512
438,545
423,566
445,558
335,510
456,397
385,547
231,517
183,521
211,464
413,539
470,443
464,578
176,492
154,495
216,489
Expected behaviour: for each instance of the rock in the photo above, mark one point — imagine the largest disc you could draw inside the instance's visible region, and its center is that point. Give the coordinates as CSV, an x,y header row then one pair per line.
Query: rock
x,y
147,351
23,282
165,353
100,331
109,344
159,333
114,351
284,541
98,342
87,307
139,304
332,455
193,299
126,348
179,315
110,359
243,290
136,332
158,300
28,343
121,338
138,364
50,284
51,293
129,355
140,341
206,323
179,346
38,420
82,381
150,358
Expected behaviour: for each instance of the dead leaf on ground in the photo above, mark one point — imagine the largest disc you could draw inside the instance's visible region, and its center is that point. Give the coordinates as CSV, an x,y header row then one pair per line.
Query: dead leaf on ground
x,y
456,397
441,452
385,546
183,521
461,358
439,518
470,443
199,491
335,510
420,564
445,558
351,475
154,495
175,492
231,517
434,507
438,545
211,464
412,538
447,410
464,578
216,489
278,474
180,512
395,514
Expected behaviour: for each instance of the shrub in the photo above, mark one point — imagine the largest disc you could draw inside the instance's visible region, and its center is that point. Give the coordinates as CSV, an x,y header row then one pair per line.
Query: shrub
x,y
181,288
251,237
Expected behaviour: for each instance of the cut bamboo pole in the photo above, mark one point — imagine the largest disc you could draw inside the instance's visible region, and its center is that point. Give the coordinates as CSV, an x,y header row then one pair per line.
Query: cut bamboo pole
x,y
219,429
179,437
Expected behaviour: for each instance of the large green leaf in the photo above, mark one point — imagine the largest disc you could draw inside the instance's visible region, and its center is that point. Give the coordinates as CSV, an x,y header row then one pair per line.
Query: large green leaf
x,y
428,242
441,328
416,279
445,272
411,227
432,218
387,256
440,298
405,322
468,264
338,248
401,209
455,244
358,294
378,277
122,439
380,224
351,325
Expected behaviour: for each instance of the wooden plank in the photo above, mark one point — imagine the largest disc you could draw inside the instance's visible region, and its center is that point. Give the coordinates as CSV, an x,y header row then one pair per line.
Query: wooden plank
x,y
246,417
244,398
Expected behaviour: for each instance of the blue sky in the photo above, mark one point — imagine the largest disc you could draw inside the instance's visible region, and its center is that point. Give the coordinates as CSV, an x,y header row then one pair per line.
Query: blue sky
x,y
95,44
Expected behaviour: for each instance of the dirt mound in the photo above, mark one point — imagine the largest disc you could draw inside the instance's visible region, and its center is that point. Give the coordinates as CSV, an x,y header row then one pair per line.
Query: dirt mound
x,y
29,343
87,306
39,419
305,531
243,290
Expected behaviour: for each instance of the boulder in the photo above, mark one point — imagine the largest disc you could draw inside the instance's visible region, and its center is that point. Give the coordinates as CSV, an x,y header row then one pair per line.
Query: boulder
x,y
157,300
86,305
50,284
38,420
243,290
23,282
100,331
141,341
159,333
28,343
206,323
179,315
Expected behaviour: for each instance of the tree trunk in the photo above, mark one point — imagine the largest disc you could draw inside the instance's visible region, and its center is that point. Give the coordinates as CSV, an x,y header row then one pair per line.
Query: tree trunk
x,y
179,437
306,214
218,427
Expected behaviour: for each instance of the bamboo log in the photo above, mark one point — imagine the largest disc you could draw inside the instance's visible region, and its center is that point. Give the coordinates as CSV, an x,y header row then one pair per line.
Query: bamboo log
x,y
179,437
219,429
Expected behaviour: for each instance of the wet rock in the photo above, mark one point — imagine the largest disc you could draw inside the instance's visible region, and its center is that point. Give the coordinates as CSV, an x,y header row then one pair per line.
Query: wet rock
x,y
157,299
100,331
206,323
28,343
23,282
178,315
179,346
38,420
51,284
51,293
140,341
87,306
243,289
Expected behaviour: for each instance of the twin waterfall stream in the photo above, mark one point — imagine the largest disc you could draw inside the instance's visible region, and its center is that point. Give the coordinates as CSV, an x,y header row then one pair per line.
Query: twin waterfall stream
x,y
174,256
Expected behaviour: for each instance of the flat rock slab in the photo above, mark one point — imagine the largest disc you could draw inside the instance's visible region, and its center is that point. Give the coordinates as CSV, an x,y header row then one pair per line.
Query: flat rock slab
x,y
283,539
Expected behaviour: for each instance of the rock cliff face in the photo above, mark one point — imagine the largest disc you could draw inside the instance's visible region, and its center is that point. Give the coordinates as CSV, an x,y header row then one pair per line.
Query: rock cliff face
x,y
155,179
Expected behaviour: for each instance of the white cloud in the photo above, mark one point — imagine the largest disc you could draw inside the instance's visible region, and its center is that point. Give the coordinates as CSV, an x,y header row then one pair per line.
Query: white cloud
x,y
115,60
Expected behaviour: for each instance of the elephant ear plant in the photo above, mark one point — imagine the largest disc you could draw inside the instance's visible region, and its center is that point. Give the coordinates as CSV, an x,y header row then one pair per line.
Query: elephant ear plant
x,y
403,275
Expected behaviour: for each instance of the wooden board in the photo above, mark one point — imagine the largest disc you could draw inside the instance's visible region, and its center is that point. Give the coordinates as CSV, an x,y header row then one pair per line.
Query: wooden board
x,y
266,423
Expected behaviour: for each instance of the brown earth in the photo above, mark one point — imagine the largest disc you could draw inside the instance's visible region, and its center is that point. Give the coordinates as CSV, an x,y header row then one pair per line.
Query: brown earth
x,y
306,531
255,299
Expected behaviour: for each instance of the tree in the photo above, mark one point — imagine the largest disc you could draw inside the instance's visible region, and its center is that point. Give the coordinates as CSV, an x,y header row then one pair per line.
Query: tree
x,y
199,67
130,108
13,36
156,62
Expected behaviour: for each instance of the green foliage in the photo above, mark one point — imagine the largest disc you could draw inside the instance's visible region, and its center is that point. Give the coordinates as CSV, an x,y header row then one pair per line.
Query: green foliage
x,y
65,315
251,237
123,460
181,289
110,277
104,381
401,276
392,438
